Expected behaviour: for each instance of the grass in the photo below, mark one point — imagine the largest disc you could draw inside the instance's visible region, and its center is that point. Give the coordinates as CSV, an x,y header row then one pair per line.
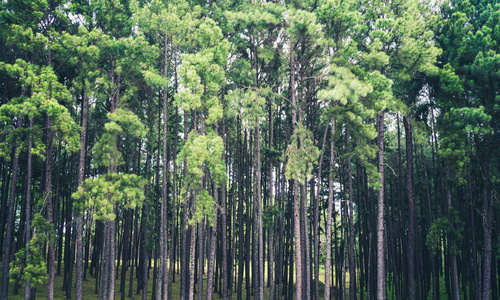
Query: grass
x,y
89,288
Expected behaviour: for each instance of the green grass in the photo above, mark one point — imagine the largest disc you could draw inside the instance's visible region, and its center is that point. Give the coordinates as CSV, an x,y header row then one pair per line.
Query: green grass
x,y
89,288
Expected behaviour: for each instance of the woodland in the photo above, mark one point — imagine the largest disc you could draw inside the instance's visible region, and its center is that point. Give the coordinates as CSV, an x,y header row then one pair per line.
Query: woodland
x,y
250,149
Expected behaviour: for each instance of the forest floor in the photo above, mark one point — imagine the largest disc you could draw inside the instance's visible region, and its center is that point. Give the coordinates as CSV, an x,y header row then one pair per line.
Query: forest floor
x,y
90,283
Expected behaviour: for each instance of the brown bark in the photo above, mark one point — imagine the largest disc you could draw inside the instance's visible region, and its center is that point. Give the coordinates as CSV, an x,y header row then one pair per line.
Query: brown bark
x,y
10,221
27,287
381,289
329,216
211,258
48,204
487,227
316,196
79,216
352,266
411,204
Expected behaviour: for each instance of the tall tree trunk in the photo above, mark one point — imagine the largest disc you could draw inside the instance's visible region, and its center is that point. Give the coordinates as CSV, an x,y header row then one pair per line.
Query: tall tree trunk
x,y
27,287
316,217
191,262
225,274
258,218
161,288
201,257
352,266
211,258
127,236
79,216
411,204
272,184
296,204
172,249
329,213
455,294
144,252
487,227
381,289
50,212
10,220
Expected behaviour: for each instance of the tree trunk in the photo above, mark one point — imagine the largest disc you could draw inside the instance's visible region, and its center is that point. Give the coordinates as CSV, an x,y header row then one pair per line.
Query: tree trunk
x,y
27,287
316,236
381,289
296,204
225,274
211,258
487,226
10,220
452,256
161,287
191,262
352,266
411,212
50,212
79,216
329,213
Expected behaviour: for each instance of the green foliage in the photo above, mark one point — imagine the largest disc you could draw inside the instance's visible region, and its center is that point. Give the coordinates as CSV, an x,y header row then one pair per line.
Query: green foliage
x,y
301,155
459,124
345,87
34,269
203,156
450,227
121,122
44,96
302,23
248,105
98,195
269,216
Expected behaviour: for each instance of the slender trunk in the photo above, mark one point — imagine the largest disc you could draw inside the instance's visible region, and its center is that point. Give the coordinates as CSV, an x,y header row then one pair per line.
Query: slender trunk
x,y
201,257
191,262
411,212
487,227
50,212
304,235
126,251
272,282
316,217
27,287
381,289
225,274
351,258
161,287
452,256
258,203
211,258
79,216
144,252
10,221
172,263
296,204
328,246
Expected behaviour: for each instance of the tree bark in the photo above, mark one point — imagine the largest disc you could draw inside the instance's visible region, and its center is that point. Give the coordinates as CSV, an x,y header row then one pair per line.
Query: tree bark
x,y
381,289
487,227
411,205
48,203
27,287
10,220
79,216
329,213
351,258
296,204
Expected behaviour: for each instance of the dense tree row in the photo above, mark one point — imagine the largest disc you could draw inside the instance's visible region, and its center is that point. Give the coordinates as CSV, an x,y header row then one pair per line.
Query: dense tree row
x,y
282,149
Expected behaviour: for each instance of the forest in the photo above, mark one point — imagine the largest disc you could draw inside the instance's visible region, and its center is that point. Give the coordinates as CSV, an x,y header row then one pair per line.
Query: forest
x,y
250,149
